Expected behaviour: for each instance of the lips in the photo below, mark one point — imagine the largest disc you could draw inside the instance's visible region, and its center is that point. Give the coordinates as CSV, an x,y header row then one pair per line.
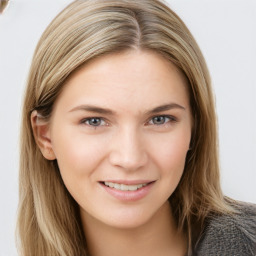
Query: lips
x,y
128,190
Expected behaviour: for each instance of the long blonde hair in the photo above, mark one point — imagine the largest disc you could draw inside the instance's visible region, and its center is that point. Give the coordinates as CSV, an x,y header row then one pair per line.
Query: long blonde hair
x,y
49,221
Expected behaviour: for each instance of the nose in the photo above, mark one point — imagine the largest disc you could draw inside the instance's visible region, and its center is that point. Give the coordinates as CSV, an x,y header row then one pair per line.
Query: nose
x,y
128,151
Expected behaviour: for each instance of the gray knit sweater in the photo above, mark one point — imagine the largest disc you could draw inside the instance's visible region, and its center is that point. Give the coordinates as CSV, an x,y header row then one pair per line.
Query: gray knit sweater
x,y
230,235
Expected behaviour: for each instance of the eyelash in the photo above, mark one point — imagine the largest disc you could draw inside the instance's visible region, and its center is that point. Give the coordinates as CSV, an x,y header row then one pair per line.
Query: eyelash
x,y
86,121
167,119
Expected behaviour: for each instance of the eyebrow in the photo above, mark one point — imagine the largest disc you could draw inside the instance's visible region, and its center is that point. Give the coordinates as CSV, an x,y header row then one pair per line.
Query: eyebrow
x,y
106,111
165,108
94,109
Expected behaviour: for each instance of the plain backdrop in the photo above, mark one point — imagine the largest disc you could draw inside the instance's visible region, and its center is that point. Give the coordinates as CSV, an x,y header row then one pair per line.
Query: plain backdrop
x,y
225,31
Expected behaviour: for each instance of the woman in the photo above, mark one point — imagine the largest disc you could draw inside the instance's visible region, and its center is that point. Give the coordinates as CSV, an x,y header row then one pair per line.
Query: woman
x,y
119,142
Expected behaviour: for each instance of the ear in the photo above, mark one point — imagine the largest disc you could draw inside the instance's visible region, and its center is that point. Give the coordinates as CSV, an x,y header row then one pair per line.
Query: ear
x,y
42,137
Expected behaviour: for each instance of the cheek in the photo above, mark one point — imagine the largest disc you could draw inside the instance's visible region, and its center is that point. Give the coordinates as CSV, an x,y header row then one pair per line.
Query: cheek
x,y
76,153
170,155
78,157
172,166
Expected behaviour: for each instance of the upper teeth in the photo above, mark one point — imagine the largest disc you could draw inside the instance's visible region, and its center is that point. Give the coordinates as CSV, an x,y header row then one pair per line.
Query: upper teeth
x,y
124,187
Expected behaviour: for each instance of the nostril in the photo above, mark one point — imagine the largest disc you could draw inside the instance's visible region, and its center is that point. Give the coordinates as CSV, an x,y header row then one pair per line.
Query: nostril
x,y
128,161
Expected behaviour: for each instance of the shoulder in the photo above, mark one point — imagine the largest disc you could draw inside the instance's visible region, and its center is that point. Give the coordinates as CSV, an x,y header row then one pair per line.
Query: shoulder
x,y
230,234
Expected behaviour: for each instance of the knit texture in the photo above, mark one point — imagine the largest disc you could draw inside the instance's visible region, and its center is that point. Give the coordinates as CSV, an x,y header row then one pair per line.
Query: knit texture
x,y
230,235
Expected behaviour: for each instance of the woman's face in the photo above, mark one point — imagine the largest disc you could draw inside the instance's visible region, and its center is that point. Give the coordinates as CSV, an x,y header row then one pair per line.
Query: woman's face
x,y
120,131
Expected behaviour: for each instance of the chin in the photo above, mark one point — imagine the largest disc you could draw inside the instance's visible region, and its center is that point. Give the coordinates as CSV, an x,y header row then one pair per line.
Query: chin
x,y
130,217
128,222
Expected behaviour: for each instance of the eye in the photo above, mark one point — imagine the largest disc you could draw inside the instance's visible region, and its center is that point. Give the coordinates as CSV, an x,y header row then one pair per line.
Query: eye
x,y
159,120
94,121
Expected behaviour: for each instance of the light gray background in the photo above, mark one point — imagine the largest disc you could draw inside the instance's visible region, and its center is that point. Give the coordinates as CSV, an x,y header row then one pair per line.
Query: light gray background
x,y
226,32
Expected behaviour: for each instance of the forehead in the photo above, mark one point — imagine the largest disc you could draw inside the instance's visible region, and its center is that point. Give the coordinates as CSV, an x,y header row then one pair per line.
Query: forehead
x,y
133,78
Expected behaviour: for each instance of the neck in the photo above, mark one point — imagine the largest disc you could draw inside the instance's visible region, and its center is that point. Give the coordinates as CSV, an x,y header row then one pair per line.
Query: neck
x,y
159,236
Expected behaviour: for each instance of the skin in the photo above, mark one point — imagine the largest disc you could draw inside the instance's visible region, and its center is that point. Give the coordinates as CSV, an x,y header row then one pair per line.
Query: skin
x,y
129,142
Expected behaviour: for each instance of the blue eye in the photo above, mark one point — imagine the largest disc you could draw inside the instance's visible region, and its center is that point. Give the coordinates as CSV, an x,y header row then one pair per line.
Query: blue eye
x,y
159,120
94,121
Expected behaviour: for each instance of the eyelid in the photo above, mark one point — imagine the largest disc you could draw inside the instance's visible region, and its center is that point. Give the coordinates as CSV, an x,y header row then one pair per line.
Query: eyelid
x,y
84,120
171,117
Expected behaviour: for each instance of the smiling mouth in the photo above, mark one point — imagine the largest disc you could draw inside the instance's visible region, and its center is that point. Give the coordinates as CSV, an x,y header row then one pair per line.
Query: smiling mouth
x,y
124,187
